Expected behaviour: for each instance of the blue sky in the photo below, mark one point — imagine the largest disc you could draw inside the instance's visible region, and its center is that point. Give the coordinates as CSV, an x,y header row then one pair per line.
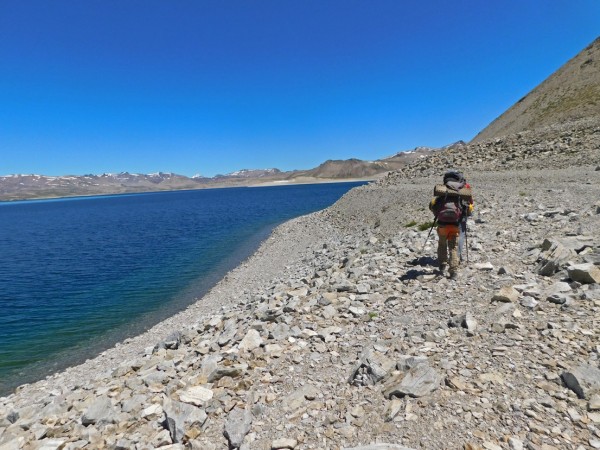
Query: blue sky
x,y
214,86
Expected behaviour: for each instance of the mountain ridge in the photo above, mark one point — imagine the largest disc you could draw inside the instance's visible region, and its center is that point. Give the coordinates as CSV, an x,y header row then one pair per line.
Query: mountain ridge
x,y
571,93
34,186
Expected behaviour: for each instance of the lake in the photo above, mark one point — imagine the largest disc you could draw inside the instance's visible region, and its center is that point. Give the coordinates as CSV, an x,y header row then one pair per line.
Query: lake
x,y
79,274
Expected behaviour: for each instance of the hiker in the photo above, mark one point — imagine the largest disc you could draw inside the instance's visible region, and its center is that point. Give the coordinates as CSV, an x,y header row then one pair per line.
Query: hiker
x,y
451,205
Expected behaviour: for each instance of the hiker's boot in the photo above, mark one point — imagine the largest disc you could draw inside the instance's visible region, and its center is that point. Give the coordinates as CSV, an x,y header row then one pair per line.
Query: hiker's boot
x,y
453,275
442,268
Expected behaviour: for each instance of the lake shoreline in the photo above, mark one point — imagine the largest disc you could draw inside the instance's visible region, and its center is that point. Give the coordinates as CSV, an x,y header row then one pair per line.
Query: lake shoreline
x,y
249,273
66,359
251,185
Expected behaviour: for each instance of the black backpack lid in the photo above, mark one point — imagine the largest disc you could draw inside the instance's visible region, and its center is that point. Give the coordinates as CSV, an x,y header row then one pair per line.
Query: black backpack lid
x,y
453,175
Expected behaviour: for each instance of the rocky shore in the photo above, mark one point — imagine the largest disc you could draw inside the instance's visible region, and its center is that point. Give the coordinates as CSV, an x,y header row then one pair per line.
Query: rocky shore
x,y
340,333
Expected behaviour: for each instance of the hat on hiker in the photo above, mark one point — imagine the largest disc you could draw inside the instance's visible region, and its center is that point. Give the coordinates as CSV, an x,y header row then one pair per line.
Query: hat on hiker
x,y
453,175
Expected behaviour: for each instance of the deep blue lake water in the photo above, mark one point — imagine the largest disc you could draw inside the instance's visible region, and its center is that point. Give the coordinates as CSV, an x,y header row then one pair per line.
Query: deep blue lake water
x,y
79,274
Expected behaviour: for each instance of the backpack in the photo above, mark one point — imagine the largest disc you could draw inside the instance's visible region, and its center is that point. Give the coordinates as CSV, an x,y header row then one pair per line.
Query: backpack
x,y
449,205
448,209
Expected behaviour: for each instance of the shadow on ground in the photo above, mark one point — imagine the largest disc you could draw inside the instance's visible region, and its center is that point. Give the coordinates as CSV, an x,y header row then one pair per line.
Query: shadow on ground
x,y
424,261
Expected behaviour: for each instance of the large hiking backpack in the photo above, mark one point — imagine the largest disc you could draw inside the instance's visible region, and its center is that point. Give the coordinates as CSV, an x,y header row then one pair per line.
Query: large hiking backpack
x,y
448,209
449,204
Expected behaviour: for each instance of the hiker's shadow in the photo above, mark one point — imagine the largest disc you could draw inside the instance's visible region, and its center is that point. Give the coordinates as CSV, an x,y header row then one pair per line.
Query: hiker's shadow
x,y
422,261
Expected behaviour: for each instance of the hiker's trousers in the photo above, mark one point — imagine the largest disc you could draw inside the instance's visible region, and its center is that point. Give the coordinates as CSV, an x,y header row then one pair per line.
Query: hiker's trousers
x,y
448,244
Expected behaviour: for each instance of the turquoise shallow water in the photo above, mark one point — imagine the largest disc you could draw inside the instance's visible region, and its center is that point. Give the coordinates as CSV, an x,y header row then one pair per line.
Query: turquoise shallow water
x,y
78,275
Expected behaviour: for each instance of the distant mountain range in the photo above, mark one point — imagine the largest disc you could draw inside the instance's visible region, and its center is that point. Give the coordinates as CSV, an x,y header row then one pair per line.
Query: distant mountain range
x,y
18,187
570,94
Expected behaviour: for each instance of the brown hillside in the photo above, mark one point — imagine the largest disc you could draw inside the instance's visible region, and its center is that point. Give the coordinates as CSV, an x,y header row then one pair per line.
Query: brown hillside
x,y
571,93
350,168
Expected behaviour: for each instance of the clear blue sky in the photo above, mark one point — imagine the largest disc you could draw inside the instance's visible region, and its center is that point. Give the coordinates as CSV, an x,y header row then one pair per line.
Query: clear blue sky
x,y
214,86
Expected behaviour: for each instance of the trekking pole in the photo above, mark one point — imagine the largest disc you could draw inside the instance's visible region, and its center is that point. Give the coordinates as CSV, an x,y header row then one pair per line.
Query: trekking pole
x,y
429,234
466,240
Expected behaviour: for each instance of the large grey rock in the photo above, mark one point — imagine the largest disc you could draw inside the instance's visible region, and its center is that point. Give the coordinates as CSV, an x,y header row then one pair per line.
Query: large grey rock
x,y
559,288
371,368
417,382
584,273
228,334
134,403
392,409
180,417
100,411
226,371
172,341
469,323
529,302
553,255
558,299
280,331
506,294
196,395
210,363
584,380
237,426
251,341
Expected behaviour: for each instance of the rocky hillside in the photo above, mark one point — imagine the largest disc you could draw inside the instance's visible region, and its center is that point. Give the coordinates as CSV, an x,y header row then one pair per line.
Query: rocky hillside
x,y
552,147
571,93
356,168
344,169
340,333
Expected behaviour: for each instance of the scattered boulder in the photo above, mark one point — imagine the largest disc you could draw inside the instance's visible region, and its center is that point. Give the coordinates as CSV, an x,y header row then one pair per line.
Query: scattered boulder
x,y
196,395
251,341
173,340
237,426
180,417
487,266
372,367
558,299
232,371
100,411
529,302
553,255
584,273
417,382
506,294
584,380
